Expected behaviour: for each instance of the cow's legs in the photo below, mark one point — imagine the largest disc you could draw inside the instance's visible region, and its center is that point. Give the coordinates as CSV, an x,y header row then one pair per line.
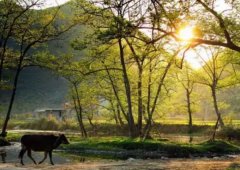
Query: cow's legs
x,y
30,155
45,156
50,157
21,153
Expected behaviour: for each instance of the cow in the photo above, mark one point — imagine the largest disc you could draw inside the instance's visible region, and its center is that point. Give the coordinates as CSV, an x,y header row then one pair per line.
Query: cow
x,y
44,143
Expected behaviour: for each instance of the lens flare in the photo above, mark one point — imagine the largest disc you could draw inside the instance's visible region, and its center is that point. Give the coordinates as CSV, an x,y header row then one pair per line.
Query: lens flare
x,y
186,33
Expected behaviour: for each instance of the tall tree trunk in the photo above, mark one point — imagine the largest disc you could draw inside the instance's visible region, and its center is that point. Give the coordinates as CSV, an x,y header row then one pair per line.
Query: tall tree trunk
x,y
15,83
188,93
114,112
148,126
131,124
215,129
140,103
80,111
139,86
149,96
90,118
2,57
116,93
77,114
119,115
1,64
4,128
219,117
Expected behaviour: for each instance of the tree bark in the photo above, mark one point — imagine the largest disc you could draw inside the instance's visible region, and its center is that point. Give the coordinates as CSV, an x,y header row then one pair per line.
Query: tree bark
x,y
80,112
148,126
116,93
188,93
90,118
219,117
77,113
15,83
114,112
119,115
140,103
4,128
139,63
131,124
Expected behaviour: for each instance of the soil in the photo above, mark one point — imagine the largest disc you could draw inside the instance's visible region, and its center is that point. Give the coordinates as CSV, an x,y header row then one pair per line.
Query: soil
x,y
132,164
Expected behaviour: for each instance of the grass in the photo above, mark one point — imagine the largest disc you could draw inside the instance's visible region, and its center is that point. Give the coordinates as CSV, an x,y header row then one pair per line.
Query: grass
x,y
116,147
104,128
149,148
14,137
115,144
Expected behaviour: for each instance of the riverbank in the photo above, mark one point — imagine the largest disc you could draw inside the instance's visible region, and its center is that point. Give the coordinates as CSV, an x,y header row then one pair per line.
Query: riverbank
x,y
120,153
124,148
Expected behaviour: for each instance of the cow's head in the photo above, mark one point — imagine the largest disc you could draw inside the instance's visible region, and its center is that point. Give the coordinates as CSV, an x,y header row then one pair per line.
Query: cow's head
x,y
63,139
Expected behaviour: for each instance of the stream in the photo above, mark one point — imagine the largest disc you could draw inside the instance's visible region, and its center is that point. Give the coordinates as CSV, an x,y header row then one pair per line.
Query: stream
x,y
9,154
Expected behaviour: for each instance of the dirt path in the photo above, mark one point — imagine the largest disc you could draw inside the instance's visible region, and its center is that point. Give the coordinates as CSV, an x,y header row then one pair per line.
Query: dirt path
x,y
171,164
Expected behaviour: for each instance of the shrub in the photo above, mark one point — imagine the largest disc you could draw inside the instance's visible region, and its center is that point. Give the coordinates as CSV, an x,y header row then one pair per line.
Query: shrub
x,y
68,125
229,133
49,123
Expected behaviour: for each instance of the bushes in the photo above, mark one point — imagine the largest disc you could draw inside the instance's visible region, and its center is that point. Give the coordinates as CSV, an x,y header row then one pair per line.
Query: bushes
x,y
219,147
43,124
49,123
229,133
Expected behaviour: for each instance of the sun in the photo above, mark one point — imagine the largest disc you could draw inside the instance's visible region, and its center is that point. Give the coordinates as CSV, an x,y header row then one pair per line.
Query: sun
x,y
186,33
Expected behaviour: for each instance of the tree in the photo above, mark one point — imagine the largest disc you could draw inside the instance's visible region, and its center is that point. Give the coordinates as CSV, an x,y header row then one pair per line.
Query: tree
x,y
120,30
187,82
226,34
115,11
33,28
66,67
216,71
213,26
11,15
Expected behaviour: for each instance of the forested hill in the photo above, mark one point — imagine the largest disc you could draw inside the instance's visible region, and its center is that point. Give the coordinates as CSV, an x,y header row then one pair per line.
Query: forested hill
x,y
40,88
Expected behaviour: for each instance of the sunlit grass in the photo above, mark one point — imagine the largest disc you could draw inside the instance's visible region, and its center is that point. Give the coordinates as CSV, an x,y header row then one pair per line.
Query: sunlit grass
x,y
126,145
195,122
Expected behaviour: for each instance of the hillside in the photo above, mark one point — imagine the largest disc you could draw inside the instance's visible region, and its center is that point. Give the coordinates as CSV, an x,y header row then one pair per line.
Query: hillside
x,y
39,88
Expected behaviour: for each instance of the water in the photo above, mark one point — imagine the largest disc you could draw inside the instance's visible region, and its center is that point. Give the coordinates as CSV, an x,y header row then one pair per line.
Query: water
x,y
9,154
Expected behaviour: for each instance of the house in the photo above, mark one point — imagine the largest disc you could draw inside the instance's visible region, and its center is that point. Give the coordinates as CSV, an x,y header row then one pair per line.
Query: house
x,y
58,113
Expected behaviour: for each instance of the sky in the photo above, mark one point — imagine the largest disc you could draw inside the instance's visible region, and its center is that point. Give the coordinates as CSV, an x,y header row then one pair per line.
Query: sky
x,y
51,3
